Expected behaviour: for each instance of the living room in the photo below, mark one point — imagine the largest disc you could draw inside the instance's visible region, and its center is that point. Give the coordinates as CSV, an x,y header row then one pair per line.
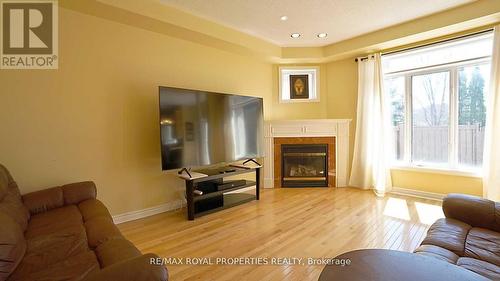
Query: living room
x,y
359,135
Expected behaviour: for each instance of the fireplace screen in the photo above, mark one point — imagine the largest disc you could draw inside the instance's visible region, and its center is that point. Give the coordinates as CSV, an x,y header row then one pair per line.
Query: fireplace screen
x,y
304,165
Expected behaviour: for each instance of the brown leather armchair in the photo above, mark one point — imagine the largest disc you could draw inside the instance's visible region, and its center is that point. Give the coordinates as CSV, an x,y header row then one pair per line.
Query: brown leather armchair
x,y
468,236
65,233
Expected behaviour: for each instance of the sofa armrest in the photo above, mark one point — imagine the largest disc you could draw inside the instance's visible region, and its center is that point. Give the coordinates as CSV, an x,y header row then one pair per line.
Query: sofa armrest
x,y
139,268
77,192
473,210
56,197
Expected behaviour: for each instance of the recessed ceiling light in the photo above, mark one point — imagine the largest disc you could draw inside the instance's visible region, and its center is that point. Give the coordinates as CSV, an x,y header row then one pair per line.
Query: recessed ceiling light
x,y
295,35
322,35
283,18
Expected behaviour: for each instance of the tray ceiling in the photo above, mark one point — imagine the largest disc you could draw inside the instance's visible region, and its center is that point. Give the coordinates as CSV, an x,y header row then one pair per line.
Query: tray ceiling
x,y
340,19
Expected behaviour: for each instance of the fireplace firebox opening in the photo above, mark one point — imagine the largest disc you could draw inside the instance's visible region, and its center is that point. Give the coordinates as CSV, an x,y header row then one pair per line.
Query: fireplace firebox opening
x,y
304,165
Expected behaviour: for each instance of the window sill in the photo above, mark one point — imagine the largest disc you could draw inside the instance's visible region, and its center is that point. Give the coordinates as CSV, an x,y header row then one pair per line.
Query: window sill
x,y
299,100
442,171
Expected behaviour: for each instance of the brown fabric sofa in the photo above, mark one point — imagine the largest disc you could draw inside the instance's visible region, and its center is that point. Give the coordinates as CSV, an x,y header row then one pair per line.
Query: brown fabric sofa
x,y
65,233
468,236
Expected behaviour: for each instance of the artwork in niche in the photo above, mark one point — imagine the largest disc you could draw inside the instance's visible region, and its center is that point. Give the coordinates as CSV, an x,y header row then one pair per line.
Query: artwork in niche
x,y
299,86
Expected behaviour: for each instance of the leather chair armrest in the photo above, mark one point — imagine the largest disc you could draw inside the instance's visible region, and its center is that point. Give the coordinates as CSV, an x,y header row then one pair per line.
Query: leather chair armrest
x,y
75,193
139,268
56,197
473,210
43,200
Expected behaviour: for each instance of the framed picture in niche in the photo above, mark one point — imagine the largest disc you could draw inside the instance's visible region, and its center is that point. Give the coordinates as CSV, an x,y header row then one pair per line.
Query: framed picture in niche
x,y
299,86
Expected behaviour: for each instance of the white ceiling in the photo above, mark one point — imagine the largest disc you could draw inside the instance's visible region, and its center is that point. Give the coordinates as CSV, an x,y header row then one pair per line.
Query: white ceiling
x,y
341,19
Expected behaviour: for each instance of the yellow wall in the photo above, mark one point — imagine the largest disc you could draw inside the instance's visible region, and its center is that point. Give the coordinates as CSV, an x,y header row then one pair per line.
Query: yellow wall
x,y
342,83
437,183
96,117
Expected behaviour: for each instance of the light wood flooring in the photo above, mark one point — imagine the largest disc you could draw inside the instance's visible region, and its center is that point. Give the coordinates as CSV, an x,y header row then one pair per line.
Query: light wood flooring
x,y
285,223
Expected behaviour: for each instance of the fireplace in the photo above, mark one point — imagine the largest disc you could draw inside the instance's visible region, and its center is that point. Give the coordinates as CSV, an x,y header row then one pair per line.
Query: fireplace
x,y
306,155
333,132
304,165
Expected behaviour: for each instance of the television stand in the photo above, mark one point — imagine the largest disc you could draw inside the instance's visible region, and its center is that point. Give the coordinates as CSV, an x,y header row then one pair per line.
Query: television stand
x,y
185,170
244,166
251,160
212,200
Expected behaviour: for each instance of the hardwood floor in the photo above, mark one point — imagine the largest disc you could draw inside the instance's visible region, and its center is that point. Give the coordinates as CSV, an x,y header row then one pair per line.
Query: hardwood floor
x,y
285,223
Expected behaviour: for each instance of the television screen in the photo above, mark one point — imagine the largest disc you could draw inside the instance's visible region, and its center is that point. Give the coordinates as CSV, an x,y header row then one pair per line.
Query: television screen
x,y
201,128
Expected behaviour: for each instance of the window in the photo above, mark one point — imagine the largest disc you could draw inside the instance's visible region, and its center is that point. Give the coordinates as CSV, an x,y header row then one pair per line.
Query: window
x,y
437,96
308,78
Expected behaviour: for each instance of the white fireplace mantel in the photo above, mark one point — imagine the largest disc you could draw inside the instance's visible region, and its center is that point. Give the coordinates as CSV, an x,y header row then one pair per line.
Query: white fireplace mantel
x,y
338,128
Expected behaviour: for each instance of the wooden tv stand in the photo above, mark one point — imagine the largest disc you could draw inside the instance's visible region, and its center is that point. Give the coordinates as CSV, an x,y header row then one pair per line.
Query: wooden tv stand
x,y
228,199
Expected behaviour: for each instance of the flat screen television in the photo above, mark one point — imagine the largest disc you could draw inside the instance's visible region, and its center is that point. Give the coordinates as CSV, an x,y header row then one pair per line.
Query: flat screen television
x,y
200,128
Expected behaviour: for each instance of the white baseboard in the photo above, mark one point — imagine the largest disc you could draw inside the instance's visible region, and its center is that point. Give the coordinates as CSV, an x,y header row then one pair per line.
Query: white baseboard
x,y
139,214
418,193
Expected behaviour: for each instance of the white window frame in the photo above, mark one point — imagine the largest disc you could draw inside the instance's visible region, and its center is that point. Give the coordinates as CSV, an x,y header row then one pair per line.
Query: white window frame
x,y
284,83
452,167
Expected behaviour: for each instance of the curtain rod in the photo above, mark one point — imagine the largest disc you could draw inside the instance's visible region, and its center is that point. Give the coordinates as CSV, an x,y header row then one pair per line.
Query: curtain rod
x,y
439,42
429,44
362,58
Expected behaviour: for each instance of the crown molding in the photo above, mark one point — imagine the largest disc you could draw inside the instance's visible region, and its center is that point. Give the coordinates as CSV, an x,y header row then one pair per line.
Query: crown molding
x,y
154,16
456,20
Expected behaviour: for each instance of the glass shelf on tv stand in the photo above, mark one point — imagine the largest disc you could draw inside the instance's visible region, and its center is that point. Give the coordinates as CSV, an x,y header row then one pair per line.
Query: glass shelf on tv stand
x,y
229,196
230,200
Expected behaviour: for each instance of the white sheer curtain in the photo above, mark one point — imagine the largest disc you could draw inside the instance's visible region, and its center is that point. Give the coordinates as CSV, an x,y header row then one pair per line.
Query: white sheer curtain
x,y
372,143
491,163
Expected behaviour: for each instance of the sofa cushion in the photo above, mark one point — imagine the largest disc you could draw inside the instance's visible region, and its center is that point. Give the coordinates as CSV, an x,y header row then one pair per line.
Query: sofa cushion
x,y
93,208
53,220
101,229
12,206
449,234
10,199
48,249
115,250
5,179
12,245
138,268
496,226
480,267
437,252
75,268
483,244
